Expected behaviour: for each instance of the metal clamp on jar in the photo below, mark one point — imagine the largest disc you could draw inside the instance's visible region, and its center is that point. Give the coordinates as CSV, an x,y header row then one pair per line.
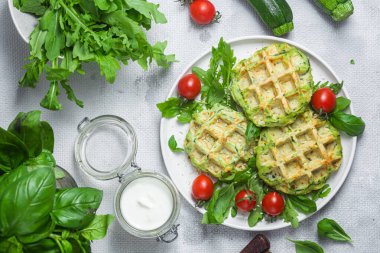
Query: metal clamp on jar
x,y
148,213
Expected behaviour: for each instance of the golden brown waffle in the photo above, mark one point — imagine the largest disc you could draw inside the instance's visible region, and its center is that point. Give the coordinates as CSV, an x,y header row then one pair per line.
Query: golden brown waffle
x,y
216,141
273,86
300,157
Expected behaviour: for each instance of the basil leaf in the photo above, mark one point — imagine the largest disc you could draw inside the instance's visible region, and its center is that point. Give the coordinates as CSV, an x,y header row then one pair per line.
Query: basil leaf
x,y
342,103
173,145
12,151
42,233
27,127
97,229
307,247
26,200
252,132
75,207
10,245
303,204
47,245
331,229
347,123
255,216
47,136
290,214
321,193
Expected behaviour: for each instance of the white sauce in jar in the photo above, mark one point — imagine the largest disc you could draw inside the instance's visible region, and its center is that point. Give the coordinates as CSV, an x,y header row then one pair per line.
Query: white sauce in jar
x,y
146,203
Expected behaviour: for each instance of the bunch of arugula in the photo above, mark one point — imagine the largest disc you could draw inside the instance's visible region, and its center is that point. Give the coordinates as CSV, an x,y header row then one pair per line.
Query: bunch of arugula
x,y
216,82
72,32
34,215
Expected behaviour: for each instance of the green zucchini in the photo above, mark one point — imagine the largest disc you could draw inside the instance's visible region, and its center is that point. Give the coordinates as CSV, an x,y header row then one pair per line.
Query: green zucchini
x,y
276,14
338,9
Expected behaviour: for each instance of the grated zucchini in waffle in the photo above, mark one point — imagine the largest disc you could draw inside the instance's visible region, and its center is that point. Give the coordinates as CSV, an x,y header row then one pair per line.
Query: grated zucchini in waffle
x,y
216,141
299,158
274,85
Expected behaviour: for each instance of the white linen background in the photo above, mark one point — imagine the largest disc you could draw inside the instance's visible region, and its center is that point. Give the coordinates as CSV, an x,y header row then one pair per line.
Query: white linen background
x,y
135,93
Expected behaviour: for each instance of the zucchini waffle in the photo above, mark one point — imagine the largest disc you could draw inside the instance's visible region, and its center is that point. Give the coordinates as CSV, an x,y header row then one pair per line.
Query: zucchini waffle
x,y
216,141
299,158
274,85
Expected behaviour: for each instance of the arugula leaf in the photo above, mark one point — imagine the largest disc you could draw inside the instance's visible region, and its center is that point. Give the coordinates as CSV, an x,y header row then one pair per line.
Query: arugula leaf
x,y
173,145
217,79
347,123
307,247
255,216
331,229
252,132
50,101
181,108
97,229
302,203
335,87
290,214
321,193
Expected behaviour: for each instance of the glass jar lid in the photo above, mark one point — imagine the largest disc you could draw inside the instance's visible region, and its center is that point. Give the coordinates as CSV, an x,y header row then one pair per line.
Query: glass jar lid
x,y
105,147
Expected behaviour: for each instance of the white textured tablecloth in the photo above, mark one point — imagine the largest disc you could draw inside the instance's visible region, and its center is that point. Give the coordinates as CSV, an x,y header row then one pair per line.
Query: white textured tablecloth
x,y
135,93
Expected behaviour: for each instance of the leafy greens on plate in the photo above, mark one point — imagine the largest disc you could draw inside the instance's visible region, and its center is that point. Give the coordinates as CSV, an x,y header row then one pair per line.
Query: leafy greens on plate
x,y
70,33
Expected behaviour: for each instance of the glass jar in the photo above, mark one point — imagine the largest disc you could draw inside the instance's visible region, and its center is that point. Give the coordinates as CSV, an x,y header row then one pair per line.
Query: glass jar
x,y
120,163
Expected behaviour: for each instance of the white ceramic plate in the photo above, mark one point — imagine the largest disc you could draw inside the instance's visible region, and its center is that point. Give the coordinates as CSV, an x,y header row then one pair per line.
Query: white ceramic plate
x,y
24,22
182,172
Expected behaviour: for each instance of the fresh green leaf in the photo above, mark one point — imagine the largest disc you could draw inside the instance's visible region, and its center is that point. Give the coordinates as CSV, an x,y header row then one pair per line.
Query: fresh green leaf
x,y
335,87
217,79
108,67
331,229
33,71
10,245
27,127
46,158
307,247
55,39
26,200
75,207
303,203
70,94
173,145
352,61
290,214
252,132
255,216
97,229
321,193
47,136
47,245
347,123
40,234
36,7
50,101
233,211
341,104
59,174
181,108
238,177
12,151
149,10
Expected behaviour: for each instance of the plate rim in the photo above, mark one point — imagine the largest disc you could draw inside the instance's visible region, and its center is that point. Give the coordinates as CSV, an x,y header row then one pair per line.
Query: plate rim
x,y
308,51
16,24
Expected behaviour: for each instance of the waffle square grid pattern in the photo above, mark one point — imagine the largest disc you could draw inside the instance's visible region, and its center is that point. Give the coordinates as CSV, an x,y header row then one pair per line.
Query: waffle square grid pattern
x,y
216,141
304,154
273,83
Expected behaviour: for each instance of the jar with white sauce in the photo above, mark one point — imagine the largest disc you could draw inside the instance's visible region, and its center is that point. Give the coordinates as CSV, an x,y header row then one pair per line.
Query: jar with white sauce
x,y
147,203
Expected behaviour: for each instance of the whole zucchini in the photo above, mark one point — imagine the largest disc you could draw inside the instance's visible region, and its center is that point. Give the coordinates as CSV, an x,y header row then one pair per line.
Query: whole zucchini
x,y
276,14
338,9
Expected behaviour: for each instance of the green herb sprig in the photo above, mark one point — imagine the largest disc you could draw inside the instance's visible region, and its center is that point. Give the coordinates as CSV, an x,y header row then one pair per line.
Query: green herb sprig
x,y
173,145
331,229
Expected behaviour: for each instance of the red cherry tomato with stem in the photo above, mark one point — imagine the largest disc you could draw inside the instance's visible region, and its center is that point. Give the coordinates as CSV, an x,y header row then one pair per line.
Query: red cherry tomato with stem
x,y
273,203
245,200
189,86
202,12
202,188
323,100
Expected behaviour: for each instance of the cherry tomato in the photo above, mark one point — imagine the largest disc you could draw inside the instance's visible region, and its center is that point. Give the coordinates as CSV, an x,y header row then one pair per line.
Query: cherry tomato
x,y
245,200
273,203
323,99
189,86
202,188
202,12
